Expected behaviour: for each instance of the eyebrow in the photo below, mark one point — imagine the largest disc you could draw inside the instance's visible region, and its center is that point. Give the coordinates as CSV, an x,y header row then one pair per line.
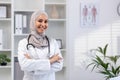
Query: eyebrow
x,y
42,19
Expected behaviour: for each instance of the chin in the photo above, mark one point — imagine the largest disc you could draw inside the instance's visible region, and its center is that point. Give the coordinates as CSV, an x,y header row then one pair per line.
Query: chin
x,y
40,32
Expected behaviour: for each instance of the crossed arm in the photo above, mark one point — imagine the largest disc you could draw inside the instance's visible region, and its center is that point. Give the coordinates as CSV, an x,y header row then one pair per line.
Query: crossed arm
x,y
54,63
53,59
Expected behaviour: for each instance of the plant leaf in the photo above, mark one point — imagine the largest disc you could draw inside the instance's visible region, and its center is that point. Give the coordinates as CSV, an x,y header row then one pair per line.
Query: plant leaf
x,y
99,50
105,49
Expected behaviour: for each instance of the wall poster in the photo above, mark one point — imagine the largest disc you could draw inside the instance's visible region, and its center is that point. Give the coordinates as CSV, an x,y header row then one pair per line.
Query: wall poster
x,y
89,14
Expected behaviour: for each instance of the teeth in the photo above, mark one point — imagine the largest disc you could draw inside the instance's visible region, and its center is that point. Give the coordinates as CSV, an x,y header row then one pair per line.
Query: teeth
x,y
42,27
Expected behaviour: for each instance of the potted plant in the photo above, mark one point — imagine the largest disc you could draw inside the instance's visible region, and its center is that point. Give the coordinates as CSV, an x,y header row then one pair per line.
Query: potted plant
x,y
4,59
106,65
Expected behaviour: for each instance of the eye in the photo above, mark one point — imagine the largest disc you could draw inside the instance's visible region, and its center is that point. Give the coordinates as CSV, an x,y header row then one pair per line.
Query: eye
x,y
46,21
40,20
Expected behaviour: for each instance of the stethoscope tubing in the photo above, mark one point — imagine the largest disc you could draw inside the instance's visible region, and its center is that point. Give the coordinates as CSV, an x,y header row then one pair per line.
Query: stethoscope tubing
x,y
30,44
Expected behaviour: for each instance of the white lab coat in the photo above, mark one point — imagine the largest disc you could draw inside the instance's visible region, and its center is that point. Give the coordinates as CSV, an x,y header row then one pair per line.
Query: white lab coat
x,y
39,67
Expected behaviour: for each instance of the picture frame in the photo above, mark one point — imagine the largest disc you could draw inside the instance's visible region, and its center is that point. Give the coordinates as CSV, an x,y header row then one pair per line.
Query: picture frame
x,y
89,14
3,11
59,41
118,9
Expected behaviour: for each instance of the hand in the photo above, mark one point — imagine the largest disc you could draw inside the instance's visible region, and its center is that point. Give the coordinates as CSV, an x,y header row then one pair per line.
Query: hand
x,y
27,56
55,58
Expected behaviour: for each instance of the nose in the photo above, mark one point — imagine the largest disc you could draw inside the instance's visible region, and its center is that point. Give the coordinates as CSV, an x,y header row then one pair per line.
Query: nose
x,y
43,23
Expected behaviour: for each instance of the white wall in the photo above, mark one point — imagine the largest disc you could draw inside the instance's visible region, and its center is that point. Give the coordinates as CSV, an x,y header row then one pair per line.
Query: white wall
x,y
81,39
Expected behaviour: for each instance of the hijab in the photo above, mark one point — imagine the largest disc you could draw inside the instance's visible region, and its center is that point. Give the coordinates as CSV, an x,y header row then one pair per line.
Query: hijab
x,y
38,40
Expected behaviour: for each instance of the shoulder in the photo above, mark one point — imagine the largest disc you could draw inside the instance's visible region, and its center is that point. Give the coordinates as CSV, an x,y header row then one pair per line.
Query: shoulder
x,y
23,41
22,45
52,40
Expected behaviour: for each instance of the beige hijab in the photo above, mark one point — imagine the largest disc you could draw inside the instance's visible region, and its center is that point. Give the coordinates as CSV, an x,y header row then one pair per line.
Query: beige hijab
x,y
37,39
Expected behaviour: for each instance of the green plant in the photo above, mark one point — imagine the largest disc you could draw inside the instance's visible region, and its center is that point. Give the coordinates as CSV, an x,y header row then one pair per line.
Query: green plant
x,y
106,65
4,58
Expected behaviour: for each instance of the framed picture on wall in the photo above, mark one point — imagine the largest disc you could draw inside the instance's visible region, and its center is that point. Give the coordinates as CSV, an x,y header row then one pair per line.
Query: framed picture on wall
x,y
89,14
59,41
3,12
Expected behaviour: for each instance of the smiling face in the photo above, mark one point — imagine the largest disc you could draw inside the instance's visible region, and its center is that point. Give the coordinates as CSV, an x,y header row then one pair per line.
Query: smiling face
x,y
41,23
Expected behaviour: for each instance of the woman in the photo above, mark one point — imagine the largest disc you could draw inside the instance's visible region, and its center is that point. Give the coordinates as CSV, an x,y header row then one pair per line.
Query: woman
x,y
38,55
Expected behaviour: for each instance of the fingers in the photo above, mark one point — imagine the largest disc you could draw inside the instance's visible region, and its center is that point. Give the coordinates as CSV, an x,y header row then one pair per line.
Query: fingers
x,y
55,58
27,56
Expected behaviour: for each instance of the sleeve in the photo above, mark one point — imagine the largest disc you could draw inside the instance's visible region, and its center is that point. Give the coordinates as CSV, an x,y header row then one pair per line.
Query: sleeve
x,y
31,64
57,66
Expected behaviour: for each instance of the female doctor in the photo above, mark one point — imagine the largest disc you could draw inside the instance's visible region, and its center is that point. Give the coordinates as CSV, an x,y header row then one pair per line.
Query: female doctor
x,y
39,56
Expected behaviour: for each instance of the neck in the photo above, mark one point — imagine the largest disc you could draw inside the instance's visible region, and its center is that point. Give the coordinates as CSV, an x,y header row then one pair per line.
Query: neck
x,y
38,34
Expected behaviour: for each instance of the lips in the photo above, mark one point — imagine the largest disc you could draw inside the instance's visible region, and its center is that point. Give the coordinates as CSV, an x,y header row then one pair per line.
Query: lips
x,y
42,27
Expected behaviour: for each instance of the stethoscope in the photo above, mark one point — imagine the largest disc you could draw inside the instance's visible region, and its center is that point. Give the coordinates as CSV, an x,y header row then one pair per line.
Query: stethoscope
x,y
29,44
